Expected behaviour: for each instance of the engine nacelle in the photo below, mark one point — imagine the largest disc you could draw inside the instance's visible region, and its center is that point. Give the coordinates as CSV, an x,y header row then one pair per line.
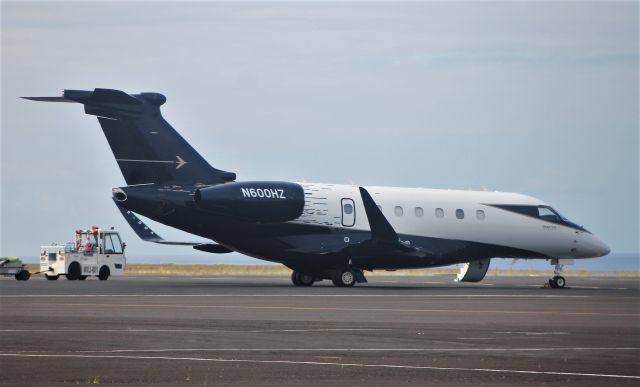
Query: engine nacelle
x,y
474,271
256,201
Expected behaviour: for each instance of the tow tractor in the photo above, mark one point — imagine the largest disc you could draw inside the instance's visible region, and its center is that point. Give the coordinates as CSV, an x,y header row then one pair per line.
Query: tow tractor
x,y
13,266
94,252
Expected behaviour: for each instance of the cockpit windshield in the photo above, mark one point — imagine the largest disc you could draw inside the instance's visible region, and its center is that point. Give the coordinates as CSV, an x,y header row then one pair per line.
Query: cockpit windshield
x,y
540,212
548,213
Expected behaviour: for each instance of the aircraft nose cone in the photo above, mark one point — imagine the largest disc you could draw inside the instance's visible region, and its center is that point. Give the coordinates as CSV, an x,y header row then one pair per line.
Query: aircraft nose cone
x,y
591,247
604,249
599,247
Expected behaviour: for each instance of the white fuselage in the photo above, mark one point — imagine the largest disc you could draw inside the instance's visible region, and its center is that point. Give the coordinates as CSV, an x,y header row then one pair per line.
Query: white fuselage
x,y
435,213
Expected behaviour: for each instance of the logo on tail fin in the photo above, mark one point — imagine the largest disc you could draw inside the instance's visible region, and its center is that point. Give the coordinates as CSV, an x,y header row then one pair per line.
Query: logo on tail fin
x,y
179,163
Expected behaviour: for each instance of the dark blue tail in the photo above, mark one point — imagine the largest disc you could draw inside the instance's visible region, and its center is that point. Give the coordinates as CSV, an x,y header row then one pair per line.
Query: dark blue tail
x,y
146,147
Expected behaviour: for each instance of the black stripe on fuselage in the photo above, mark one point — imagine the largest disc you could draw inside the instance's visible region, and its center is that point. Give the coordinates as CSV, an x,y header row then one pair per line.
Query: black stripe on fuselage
x,y
528,210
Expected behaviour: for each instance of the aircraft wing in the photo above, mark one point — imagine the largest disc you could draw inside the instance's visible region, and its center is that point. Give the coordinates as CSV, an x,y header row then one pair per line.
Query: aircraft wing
x,y
147,234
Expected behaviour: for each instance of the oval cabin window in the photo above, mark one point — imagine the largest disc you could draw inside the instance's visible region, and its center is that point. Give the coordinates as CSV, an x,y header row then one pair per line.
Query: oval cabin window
x,y
439,213
459,213
480,215
419,212
398,211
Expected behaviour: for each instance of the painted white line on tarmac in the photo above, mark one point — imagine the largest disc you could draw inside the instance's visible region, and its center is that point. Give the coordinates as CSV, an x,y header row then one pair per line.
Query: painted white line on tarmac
x,y
195,330
180,278
479,338
336,309
585,287
316,363
298,295
532,333
352,350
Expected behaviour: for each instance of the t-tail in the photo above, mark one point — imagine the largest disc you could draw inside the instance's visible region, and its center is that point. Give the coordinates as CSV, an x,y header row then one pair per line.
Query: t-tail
x,y
146,147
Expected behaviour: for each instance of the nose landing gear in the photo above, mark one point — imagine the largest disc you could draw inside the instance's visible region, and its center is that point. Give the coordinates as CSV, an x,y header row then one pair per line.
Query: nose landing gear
x,y
557,281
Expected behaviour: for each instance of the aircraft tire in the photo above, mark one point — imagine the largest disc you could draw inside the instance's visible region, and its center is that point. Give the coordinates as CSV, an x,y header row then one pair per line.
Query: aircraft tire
x,y
305,280
73,272
559,281
345,278
104,273
295,279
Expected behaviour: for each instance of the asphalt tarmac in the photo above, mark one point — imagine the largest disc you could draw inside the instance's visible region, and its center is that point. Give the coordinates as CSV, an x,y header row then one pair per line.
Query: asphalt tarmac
x,y
214,330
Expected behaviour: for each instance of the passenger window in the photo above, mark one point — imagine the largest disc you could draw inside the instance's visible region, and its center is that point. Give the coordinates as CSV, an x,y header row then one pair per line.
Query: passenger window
x,y
348,212
439,213
459,214
398,211
419,212
480,215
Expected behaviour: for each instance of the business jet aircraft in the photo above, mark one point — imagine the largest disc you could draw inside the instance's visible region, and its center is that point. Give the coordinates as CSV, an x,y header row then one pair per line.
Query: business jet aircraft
x,y
320,231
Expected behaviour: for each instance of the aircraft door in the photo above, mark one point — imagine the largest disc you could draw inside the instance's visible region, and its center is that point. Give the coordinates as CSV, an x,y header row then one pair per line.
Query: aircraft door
x,y
348,212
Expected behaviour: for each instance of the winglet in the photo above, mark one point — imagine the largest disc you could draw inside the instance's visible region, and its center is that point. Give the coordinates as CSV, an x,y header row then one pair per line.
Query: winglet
x,y
138,226
49,99
381,229
147,234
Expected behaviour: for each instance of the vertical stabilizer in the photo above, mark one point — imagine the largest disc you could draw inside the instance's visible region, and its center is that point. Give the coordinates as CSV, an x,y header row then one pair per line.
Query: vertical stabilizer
x,y
146,147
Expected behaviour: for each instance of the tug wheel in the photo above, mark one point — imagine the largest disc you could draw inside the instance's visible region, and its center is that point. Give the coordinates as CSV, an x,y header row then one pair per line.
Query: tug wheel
x,y
73,273
104,272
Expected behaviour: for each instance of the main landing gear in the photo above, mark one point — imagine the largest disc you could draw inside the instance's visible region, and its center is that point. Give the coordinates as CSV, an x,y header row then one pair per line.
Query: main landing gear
x,y
557,281
343,278
300,279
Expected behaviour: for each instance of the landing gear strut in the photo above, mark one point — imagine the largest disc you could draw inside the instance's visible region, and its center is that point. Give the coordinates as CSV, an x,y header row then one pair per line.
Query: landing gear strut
x,y
557,281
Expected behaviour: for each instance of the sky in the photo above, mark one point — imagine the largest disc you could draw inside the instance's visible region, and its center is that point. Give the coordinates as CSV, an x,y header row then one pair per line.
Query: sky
x,y
539,98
